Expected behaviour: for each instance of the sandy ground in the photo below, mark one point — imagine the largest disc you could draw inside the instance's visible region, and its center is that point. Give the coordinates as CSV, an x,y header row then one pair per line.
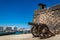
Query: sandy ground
x,y
26,37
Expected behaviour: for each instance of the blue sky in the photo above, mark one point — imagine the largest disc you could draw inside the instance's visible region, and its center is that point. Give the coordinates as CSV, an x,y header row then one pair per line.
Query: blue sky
x,y
20,12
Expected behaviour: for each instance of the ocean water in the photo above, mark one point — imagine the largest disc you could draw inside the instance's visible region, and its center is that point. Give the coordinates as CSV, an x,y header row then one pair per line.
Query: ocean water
x,y
16,33
19,33
3,33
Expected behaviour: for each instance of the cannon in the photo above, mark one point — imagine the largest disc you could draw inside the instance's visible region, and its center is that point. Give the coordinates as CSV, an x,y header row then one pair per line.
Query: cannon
x,y
38,29
46,21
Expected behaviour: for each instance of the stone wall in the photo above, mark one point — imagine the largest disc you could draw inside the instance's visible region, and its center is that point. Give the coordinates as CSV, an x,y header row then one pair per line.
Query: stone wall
x,y
48,17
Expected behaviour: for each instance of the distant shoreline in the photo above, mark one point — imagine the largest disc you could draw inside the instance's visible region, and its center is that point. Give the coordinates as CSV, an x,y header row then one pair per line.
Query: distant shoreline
x,y
12,33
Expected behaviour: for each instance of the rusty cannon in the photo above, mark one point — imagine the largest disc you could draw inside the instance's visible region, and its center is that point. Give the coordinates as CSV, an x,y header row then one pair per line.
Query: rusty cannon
x,y
46,21
40,30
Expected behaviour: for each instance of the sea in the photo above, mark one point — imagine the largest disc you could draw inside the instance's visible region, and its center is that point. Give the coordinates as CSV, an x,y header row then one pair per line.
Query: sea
x,y
16,33
19,33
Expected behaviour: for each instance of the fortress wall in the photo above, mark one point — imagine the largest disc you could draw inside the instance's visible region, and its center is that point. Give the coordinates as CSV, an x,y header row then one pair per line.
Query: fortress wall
x,y
48,17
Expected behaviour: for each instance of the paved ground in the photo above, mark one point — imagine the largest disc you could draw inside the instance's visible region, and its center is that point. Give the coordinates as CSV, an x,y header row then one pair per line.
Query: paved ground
x,y
26,37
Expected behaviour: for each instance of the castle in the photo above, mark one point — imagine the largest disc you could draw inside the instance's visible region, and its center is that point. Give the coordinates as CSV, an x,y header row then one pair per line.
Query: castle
x,y
49,16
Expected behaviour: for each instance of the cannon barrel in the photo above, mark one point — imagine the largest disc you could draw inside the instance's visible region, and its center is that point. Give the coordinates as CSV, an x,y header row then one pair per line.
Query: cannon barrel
x,y
31,23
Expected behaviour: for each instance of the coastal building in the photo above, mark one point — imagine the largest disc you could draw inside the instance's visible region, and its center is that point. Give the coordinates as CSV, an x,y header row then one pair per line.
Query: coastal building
x,y
22,29
1,28
15,28
8,29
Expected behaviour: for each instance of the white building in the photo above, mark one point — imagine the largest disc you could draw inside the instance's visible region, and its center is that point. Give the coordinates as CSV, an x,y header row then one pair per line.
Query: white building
x,y
1,29
15,28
